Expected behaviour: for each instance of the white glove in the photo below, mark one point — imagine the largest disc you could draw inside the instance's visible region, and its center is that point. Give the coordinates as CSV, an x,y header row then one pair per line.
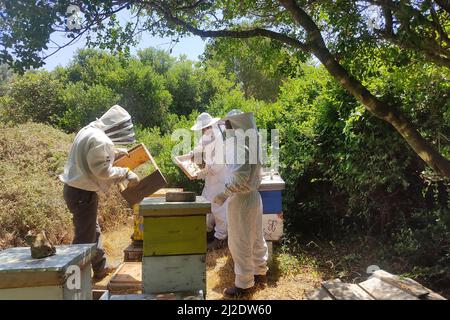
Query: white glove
x,y
220,199
121,151
132,178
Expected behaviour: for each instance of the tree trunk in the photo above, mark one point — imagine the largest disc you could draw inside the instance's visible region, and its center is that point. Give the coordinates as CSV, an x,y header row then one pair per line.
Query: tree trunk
x,y
391,115
375,106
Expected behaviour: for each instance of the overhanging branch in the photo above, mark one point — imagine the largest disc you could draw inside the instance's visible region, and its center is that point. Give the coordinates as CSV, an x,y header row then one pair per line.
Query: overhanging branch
x,y
242,34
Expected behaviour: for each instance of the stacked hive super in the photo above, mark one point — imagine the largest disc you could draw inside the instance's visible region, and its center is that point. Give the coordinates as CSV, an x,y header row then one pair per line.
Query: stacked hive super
x,y
174,245
270,190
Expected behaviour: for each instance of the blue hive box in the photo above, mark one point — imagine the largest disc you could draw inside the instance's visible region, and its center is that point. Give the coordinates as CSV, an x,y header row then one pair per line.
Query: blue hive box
x,y
270,190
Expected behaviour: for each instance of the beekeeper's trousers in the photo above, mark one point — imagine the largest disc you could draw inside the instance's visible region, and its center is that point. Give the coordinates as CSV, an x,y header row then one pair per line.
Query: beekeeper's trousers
x,y
83,206
245,238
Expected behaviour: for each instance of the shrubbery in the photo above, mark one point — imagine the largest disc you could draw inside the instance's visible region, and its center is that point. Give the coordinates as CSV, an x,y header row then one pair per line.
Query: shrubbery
x,y
348,174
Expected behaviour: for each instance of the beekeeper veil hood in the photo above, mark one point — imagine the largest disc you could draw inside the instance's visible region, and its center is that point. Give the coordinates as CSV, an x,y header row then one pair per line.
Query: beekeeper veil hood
x,y
117,125
241,120
243,125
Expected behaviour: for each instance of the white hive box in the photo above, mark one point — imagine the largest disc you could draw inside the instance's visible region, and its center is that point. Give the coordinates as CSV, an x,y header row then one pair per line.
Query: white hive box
x,y
272,226
63,276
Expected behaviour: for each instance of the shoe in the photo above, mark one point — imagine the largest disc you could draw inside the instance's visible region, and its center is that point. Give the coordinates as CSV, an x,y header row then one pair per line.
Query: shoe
x,y
104,273
260,278
216,244
235,292
210,236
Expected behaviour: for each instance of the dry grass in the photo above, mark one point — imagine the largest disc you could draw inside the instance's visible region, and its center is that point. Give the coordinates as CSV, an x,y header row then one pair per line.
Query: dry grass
x,y
281,285
31,196
288,279
115,241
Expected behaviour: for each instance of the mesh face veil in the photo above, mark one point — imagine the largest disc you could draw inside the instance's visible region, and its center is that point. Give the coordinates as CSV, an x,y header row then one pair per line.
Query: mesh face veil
x,y
122,133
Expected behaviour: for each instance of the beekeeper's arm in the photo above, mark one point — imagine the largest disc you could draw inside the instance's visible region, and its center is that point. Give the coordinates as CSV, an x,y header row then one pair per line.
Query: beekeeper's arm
x,y
238,182
101,164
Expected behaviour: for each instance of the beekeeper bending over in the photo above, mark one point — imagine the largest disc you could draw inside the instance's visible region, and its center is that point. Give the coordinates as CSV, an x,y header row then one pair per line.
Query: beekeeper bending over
x,y
211,148
89,169
245,235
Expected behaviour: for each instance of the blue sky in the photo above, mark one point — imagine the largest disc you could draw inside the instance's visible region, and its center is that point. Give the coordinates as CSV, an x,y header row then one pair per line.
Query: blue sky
x,y
192,46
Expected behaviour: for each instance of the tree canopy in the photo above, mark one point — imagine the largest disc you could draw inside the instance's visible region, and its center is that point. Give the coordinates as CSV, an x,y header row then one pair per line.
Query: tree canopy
x,y
332,31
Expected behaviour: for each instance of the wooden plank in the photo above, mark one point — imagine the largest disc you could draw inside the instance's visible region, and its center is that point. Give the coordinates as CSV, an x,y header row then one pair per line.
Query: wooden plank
x,y
406,284
318,294
434,296
381,290
345,291
174,273
174,235
127,277
164,296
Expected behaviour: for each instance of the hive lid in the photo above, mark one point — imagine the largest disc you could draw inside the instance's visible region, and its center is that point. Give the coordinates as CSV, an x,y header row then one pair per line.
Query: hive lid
x,y
159,207
18,269
271,182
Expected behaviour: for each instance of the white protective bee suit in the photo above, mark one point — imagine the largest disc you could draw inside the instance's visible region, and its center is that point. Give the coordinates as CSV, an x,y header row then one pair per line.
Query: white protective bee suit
x,y
210,146
245,235
90,162
214,176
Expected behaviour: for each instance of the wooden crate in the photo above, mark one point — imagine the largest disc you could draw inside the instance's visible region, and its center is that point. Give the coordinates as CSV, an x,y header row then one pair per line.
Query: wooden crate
x,y
174,235
133,253
174,273
149,184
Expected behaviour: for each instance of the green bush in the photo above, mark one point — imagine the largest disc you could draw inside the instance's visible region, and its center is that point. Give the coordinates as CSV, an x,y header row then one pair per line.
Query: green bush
x,y
33,97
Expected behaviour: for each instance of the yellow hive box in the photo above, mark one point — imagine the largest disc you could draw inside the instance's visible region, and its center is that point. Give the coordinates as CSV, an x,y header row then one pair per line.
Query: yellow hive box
x,y
138,233
174,235
174,228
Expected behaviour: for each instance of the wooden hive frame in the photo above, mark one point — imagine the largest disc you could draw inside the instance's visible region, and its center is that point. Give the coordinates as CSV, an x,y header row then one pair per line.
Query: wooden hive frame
x,y
179,160
139,155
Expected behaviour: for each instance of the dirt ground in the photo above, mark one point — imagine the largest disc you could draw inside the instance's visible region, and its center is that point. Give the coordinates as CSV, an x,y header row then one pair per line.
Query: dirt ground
x,y
281,285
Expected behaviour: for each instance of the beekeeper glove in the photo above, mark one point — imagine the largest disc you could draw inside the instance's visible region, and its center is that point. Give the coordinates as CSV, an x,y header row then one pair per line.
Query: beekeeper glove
x,y
121,151
220,199
202,174
132,178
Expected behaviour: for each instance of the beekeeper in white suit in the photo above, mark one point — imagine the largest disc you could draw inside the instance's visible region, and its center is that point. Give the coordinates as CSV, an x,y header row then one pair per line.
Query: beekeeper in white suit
x,y
89,169
211,147
245,235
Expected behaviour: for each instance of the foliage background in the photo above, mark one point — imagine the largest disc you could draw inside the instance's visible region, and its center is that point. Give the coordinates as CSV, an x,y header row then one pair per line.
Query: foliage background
x,y
350,178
